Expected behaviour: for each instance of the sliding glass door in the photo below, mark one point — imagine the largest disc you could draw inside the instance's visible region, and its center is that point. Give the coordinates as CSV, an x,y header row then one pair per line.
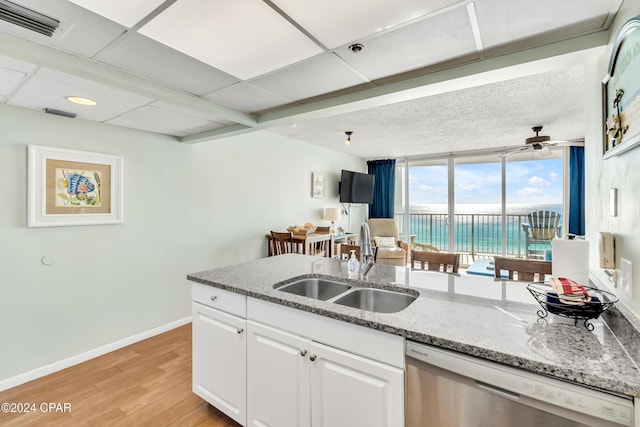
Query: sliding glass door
x,y
477,205
427,188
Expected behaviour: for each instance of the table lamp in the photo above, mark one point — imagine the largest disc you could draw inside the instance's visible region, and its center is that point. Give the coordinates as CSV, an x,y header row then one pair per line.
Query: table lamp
x,y
333,215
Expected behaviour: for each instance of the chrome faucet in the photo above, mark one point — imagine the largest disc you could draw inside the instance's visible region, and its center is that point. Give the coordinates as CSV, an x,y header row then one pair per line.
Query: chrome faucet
x,y
366,253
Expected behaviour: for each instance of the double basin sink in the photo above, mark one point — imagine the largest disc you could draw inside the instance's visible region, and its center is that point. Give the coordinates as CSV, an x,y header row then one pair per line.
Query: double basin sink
x,y
347,294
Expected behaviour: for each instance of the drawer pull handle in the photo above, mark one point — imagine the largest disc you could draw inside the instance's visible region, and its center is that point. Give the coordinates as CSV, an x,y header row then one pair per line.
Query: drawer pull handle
x,y
213,297
303,352
312,357
240,330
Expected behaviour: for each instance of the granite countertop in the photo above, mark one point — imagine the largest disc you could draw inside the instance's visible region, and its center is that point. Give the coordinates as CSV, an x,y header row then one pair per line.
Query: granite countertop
x,y
480,316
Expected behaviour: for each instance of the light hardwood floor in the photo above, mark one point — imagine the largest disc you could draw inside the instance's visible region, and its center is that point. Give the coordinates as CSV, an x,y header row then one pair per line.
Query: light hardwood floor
x,y
145,384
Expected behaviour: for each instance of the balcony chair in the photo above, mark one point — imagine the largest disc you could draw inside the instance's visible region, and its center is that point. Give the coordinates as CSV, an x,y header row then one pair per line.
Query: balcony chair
x,y
436,261
384,240
522,269
540,229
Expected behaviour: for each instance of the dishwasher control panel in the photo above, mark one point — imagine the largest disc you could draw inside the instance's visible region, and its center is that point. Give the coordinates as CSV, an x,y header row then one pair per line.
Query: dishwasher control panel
x,y
514,383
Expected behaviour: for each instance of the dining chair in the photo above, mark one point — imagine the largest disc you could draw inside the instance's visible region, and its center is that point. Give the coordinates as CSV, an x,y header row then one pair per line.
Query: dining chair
x,y
282,242
345,251
323,230
435,261
522,269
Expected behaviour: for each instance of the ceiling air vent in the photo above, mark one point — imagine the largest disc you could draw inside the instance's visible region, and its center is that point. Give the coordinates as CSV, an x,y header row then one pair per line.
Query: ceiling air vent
x,y
27,18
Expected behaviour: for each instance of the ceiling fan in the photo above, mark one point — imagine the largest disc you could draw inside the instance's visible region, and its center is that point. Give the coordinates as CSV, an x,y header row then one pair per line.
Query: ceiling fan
x,y
541,143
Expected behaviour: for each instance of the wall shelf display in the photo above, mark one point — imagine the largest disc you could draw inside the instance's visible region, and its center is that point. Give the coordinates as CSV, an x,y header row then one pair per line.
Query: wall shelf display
x,y
317,185
621,92
69,187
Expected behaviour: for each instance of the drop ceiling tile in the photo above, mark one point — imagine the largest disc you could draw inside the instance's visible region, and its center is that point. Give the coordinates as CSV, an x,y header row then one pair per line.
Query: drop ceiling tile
x,y
16,65
124,12
154,119
247,97
316,76
164,65
188,111
501,22
81,32
436,39
244,38
9,79
48,88
338,22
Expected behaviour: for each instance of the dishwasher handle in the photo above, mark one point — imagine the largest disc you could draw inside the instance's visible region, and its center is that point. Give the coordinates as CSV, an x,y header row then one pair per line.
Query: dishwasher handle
x,y
498,390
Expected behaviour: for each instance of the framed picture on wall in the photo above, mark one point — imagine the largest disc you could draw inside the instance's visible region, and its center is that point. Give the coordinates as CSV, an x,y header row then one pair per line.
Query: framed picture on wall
x,y
621,92
69,187
317,185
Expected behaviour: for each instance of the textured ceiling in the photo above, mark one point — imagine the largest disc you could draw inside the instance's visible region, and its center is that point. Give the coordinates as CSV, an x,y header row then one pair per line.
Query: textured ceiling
x,y
201,70
489,116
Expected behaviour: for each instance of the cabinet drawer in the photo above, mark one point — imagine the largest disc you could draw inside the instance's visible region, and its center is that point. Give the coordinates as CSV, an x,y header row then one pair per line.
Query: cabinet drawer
x,y
220,299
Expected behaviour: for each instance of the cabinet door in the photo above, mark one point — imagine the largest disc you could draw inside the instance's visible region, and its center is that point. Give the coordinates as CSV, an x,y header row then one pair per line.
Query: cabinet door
x,y
349,390
278,378
220,360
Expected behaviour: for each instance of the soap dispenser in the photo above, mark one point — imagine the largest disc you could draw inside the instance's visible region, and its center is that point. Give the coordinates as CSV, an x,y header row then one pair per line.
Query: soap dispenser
x,y
353,265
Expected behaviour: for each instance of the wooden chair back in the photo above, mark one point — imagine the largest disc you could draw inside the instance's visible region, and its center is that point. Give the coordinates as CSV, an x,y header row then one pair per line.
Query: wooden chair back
x,y
543,225
282,242
522,269
323,229
345,251
436,261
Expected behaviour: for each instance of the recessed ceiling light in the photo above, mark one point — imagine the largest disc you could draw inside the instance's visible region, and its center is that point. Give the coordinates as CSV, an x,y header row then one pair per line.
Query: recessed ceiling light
x,y
81,100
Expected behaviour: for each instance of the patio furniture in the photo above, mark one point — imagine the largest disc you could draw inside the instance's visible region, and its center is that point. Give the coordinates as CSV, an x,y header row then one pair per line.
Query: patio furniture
x,y
541,228
384,239
436,261
522,269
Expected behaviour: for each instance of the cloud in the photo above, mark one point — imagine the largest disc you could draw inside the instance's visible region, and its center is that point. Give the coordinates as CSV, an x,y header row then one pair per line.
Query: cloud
x,y
529,191
553,176
539,181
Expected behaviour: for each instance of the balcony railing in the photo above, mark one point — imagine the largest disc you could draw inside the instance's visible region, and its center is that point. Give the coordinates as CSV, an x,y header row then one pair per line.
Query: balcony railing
x,y
474,234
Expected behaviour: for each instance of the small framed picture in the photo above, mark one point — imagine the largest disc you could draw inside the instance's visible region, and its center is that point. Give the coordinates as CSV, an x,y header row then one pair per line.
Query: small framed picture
x,y
69,187
317,185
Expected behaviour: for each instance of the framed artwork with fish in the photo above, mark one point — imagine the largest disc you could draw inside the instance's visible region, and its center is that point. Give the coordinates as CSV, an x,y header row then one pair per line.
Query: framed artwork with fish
x,y
70,187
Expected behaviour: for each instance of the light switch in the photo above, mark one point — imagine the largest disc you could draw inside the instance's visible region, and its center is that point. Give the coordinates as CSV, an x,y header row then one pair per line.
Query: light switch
x,y
626,271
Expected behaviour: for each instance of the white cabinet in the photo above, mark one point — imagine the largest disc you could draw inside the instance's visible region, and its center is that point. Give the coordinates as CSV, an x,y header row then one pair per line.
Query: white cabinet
x,y
219,360
278,378
350,390
268,365
296,382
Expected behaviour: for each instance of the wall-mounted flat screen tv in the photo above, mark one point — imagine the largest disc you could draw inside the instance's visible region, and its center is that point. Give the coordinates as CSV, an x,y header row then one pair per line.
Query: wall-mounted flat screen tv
x,y
356,187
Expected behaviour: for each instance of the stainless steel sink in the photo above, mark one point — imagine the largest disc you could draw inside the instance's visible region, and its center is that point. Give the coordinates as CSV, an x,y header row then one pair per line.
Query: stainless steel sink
x,y
320,289
378,300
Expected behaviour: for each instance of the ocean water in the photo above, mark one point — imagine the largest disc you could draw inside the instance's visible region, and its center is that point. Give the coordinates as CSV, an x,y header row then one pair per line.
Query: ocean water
x,y
477,227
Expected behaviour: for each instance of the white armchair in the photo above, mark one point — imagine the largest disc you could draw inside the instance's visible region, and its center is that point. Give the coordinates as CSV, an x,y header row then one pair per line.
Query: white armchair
x,y
384,239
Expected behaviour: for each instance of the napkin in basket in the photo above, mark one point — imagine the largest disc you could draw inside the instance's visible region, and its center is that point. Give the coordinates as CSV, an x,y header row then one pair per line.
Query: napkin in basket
x,y
569,291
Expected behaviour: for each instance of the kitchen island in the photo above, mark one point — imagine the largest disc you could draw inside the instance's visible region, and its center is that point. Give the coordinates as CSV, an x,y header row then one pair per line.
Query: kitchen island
x,y
495,320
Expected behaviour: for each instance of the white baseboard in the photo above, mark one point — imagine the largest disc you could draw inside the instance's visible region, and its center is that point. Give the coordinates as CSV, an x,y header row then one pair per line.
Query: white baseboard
x,y
83,357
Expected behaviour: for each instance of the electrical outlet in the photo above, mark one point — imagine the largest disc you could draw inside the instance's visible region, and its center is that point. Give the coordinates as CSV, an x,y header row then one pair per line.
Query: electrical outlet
x,y
626,271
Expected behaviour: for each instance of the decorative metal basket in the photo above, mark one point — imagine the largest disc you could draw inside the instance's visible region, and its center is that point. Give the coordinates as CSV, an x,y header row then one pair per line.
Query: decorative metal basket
x,y
551,303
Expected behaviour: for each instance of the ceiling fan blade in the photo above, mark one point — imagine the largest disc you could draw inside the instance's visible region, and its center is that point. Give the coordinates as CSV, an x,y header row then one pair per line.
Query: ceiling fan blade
x,y
567,142
517,150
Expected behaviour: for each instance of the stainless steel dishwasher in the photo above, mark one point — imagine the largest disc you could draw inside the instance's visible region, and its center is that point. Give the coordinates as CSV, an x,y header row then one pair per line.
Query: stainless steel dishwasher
x,y
447,389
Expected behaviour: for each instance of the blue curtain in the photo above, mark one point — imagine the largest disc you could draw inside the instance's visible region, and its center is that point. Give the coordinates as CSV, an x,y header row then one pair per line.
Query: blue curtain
x,y
384,188
576,190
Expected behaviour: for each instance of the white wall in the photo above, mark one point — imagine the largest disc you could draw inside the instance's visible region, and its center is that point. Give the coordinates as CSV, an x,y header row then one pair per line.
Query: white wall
x,y
187,208
621,172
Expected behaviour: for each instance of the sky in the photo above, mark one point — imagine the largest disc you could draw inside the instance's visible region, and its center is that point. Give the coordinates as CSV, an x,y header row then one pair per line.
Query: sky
x,y
533,181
